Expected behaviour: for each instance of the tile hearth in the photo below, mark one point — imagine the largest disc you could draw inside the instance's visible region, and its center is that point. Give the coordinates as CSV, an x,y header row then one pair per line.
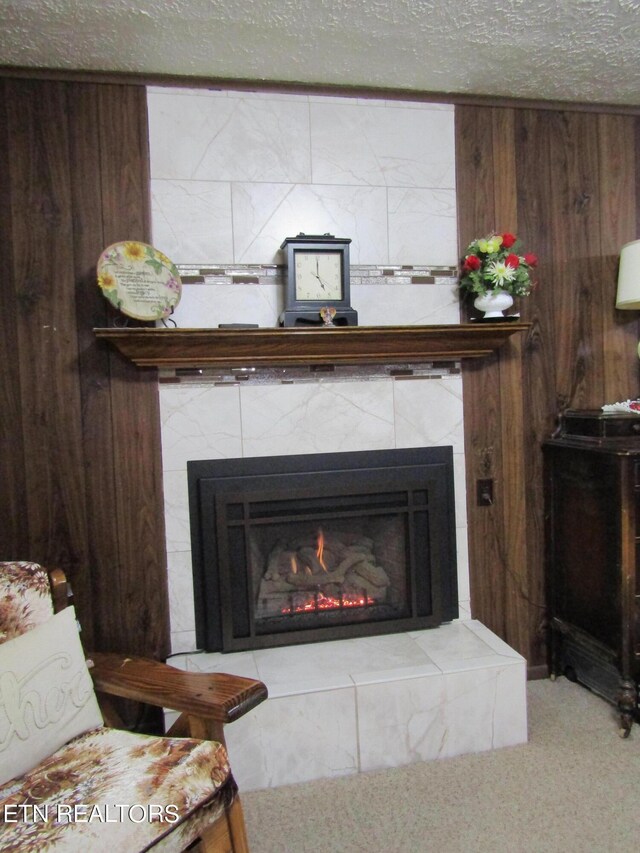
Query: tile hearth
x,y
350,706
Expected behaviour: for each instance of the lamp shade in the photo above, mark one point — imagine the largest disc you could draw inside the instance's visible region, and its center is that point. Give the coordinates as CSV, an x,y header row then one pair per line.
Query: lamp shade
x,y
629,277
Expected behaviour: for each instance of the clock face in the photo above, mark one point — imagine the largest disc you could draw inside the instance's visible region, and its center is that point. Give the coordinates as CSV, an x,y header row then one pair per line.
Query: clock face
x,y
318,275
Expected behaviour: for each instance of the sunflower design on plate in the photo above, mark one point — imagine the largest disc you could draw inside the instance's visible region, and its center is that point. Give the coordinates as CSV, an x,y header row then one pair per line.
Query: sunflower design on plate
x,y
139,280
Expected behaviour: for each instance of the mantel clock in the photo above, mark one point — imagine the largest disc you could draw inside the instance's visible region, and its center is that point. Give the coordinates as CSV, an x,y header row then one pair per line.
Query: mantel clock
x,y
317,278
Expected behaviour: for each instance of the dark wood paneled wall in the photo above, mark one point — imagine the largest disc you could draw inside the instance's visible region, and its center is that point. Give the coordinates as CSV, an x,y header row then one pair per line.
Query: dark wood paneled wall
x,y
568,183
80,459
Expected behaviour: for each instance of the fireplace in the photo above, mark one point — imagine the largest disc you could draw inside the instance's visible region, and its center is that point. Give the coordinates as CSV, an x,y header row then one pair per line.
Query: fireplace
x,y
293,549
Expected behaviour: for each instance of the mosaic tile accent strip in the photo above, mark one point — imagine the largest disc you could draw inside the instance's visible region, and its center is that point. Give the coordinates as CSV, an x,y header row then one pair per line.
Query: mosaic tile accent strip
x,y
276,274
316,373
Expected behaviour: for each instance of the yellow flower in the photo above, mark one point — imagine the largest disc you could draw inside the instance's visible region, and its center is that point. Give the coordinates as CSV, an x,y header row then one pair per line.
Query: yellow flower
x,y
106,281
491,245
134,251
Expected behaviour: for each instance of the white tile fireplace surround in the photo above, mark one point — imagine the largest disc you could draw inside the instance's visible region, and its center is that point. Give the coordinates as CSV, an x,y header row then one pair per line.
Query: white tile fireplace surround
x,y
233,174
344,412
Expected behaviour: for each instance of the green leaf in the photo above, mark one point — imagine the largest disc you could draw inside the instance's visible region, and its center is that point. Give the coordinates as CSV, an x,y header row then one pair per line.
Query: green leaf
x,y
156,265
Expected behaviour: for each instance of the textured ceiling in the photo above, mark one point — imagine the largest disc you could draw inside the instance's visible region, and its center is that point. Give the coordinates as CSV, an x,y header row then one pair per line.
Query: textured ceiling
x,y
575,50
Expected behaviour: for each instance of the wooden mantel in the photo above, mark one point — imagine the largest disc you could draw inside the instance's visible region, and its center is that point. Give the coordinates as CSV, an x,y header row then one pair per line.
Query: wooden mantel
x,y
171,348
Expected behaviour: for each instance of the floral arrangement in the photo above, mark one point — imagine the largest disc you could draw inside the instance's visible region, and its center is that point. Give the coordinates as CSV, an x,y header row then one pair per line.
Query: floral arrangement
x,y
495,263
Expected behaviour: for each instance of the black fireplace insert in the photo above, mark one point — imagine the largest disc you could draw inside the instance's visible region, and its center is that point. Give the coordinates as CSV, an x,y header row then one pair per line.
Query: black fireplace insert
x,y
293,549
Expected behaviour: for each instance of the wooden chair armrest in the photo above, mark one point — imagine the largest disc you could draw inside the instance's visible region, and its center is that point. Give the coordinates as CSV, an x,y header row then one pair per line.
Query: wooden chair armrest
x,y
213,696
60,589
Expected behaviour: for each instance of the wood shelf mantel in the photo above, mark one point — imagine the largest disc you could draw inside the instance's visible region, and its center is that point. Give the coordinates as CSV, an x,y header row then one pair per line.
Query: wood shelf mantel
x,y
195,348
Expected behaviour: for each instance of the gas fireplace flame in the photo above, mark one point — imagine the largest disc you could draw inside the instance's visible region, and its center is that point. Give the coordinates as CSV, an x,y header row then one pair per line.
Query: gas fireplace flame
x,y
320,550
317,567
319,601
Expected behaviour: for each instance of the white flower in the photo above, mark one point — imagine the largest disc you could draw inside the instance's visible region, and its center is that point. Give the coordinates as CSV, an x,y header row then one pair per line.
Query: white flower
x,y
498,272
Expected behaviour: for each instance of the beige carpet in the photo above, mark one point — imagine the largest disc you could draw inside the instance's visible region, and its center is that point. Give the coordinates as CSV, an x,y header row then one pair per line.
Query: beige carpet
x,y
574,787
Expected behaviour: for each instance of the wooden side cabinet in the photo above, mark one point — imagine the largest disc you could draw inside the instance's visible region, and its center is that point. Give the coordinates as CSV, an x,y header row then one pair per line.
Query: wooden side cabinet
x,y
592,493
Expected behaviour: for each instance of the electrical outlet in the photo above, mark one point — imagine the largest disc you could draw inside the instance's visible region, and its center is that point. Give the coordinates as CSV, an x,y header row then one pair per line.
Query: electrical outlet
x,y
484,492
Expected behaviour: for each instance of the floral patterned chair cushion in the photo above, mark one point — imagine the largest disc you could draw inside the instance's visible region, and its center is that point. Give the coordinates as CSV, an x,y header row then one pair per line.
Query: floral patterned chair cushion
x,y
150,790
25,598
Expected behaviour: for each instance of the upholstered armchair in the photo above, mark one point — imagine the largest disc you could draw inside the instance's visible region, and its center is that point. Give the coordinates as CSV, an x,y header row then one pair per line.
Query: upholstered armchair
x,y
71,782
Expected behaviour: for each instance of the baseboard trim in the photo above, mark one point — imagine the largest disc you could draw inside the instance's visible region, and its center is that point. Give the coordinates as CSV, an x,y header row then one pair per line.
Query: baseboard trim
x,y
536,673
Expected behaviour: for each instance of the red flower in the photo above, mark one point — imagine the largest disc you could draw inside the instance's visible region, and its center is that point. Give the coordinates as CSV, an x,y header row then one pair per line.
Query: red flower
x,y
508,240
471,262
512,261
531,259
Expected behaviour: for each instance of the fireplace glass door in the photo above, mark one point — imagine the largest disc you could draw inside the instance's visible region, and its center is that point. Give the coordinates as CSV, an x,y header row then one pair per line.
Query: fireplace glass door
x,y
359,547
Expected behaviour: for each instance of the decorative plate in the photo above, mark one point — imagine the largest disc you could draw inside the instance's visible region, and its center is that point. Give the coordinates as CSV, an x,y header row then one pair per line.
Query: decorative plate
x,y
139,280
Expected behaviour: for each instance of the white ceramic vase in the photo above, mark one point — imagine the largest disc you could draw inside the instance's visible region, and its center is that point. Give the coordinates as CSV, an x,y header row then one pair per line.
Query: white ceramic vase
x,y
493,303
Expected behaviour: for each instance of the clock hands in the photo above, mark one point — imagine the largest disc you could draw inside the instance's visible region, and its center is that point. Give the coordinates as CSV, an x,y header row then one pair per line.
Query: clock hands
x,y
317,275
